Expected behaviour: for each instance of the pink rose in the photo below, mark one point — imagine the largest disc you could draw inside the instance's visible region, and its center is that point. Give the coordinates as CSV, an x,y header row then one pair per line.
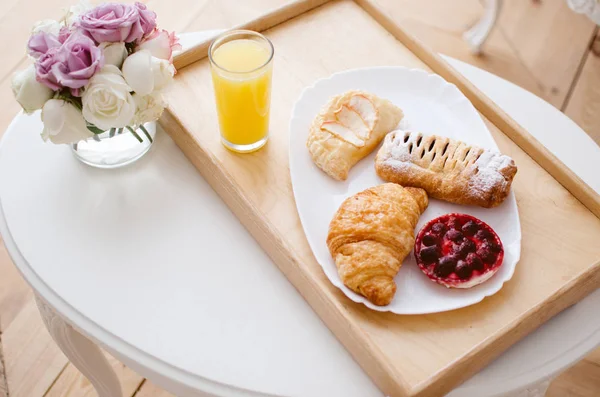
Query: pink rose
x,y
113,22
39,43
70,65
43,69
161,44
147,18
63,34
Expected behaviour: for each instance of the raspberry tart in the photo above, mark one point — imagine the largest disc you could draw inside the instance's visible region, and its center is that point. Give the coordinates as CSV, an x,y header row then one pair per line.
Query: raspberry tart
x,y
458,251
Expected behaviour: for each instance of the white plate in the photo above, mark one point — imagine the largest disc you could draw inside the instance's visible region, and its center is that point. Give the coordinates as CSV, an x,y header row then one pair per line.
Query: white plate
x,y
433,106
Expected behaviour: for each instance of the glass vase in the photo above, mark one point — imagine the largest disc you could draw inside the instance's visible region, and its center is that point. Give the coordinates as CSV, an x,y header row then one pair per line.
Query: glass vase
x,y
117,148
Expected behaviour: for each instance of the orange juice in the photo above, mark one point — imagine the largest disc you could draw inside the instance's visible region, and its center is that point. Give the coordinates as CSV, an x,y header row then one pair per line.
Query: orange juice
x,y
241,74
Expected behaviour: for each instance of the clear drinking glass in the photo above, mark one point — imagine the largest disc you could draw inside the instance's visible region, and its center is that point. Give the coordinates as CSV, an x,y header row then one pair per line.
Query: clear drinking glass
x,y
242,65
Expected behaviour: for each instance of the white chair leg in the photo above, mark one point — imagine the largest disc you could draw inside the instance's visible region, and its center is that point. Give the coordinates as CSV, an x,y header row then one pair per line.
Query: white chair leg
x,y
479,33
82,353
591,8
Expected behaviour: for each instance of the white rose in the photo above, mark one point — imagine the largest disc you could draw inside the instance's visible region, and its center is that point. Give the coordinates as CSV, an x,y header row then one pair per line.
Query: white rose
x,y
114,53
159,43
149,108
145,73
63,123
30,93
47,25
163,72
107,102
75,11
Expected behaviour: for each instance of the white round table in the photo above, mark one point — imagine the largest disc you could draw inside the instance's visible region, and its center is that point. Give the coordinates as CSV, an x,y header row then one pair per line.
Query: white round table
x,y
112,258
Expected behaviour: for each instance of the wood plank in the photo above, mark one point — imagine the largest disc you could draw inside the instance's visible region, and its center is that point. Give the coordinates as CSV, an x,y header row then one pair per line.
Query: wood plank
x,y
563,174
14,291
149,389
594,358
32,359
396,351
71,383
261,23
441,24
537,45
3,382
581,380
180,21
584,104
16,17
550,39
225,14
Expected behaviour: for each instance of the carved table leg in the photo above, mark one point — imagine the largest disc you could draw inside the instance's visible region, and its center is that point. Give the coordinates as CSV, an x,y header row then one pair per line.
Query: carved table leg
x,y
537,390
478,34
82,353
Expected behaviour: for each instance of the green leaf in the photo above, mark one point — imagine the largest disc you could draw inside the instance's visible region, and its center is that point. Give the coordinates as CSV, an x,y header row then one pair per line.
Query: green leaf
x,y
130,48
65,95
135,134
77,103
146,132
94,129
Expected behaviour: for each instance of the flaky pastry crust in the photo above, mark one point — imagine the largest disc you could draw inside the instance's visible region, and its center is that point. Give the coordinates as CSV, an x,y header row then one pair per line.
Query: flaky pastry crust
x,y
371,234
446,168
336,156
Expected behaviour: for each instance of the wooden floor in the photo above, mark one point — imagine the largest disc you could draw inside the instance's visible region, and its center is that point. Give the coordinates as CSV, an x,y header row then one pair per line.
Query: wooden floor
x,y
540,45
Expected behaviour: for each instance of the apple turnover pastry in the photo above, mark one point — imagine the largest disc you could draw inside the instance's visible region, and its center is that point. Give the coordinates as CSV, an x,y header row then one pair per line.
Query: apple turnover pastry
x,y
371,234
348,128
447,169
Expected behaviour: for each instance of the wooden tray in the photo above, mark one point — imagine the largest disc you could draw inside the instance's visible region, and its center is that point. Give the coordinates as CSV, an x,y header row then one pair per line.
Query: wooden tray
x,y
424,355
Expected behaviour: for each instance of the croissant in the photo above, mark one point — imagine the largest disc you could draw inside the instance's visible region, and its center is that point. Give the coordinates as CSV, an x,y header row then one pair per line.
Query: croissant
x,y
446,168
371,234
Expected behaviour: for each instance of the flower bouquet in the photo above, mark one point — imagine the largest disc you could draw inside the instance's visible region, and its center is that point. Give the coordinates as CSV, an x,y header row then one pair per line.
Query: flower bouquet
x,y
99,69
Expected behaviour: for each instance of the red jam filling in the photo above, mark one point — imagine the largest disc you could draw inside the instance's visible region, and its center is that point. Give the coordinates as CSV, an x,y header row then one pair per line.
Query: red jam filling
x,y
455,248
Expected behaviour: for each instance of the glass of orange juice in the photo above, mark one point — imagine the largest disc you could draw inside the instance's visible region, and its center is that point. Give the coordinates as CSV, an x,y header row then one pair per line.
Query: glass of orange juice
x,y
241,65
